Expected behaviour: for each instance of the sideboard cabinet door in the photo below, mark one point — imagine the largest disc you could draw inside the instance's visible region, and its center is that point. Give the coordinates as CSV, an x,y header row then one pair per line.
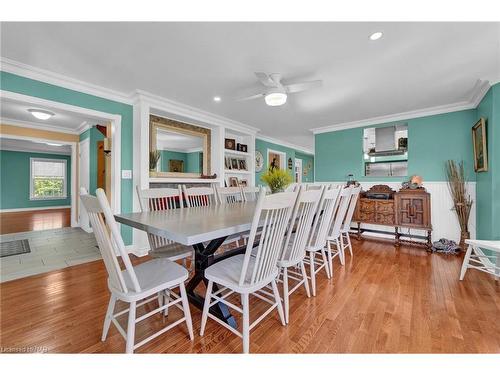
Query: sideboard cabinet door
x,y
413,209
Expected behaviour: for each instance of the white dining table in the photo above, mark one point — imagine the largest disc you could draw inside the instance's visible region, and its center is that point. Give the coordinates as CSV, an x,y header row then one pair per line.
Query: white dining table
x,y
203,228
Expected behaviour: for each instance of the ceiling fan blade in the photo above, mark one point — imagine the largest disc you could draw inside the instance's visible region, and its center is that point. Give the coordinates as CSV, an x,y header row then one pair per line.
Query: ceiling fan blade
x,y
302,86
265,79
257,96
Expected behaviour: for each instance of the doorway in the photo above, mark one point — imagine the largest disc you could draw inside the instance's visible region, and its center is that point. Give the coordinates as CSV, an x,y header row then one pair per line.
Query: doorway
x,y
298,170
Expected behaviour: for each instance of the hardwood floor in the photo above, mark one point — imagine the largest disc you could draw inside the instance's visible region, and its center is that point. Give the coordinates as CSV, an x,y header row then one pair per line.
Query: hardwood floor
x,y
26,221
382,301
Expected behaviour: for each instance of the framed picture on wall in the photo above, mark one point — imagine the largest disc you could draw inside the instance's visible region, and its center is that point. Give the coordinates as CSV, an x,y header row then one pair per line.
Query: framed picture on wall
x,y
233,181
479,145
234,164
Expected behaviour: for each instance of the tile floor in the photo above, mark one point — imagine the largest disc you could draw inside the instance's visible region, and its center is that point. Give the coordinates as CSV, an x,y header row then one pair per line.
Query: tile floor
x,y
50,250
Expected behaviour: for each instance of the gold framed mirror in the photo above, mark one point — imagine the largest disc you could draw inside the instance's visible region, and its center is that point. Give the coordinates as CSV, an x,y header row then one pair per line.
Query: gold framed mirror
x,y
179,149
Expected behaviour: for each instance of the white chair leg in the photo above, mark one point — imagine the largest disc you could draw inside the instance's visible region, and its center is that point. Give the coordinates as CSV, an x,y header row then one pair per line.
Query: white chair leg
x,y
131,328
326,263
204,315
312,271
304,277
465,263
166,300
340,248
187,312
109,317
330,259
286,297
349,243
246,324
278,301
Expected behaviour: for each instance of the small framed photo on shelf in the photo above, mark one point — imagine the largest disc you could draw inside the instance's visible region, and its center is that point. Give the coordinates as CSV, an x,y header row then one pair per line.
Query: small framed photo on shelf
x,y
229,144
242,164
233,181
241,147
244,183
234,164
227,162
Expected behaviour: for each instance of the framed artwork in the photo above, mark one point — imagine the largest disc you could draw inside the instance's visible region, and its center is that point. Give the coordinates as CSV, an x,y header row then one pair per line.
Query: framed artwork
x,y
259,161
244,183
229,144
479,145
227,162
276,159
242,164
176,166
234,164
233,181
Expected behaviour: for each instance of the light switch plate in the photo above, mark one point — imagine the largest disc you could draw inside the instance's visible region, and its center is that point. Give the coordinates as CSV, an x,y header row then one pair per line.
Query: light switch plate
x,y
127,174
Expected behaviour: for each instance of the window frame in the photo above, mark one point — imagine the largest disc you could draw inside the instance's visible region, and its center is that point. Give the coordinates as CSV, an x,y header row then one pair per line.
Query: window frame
x,y
65,180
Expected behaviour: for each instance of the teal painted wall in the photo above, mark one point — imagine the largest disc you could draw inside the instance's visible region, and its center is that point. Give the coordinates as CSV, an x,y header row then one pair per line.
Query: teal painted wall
x,y
431,141
166,156
15,180
26,86
193,162
488,183
263,146
306,159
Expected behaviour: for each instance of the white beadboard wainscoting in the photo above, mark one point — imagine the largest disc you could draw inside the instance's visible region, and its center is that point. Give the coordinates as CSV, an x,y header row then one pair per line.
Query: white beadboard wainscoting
x,y
444,220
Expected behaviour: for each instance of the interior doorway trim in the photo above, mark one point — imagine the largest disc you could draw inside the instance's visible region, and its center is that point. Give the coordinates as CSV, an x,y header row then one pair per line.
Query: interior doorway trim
x,y
115,122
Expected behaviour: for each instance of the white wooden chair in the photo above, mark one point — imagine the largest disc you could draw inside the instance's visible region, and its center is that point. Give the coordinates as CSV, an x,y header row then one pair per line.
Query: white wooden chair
x,y
315,186
294,251
292,187
157,200
245,274
251,193
317,241
135,285
334,235
229,194
199,196
345,239
476,258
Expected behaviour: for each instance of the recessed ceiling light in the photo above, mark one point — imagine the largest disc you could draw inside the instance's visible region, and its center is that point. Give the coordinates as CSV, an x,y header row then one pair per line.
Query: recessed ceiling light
x,y
41,114
217,99
376,36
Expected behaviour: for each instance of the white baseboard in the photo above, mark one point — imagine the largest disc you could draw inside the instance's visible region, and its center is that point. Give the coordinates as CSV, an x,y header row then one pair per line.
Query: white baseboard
x,y
33,209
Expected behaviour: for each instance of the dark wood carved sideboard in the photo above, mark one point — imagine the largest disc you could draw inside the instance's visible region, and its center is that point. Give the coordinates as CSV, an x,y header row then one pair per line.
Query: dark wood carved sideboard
x,y
407,208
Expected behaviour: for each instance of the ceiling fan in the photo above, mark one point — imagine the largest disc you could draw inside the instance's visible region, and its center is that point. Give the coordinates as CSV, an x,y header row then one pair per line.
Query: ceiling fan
x,y
276,92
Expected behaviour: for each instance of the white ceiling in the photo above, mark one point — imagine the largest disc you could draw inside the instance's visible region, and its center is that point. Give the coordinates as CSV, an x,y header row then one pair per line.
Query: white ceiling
x,y
414,66
31,146
62,120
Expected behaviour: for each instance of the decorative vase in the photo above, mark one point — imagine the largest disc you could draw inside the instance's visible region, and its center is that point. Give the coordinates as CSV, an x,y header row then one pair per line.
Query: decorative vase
x,y
464,235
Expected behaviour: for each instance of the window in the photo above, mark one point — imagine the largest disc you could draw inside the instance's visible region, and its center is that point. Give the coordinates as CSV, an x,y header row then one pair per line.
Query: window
x,y
48,179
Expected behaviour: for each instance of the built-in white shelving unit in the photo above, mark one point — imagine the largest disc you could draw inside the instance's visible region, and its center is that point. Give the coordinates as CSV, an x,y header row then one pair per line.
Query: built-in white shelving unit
x,y
238,165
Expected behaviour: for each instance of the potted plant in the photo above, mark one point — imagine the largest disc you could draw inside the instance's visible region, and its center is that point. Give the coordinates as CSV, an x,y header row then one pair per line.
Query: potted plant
x,y
277,179
154,156
462,202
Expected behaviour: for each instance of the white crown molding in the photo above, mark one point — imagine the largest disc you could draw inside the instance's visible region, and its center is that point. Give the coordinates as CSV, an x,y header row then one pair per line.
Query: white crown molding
x,y
38,74
180,109
285,144
35,125
84,126
479,90
34,149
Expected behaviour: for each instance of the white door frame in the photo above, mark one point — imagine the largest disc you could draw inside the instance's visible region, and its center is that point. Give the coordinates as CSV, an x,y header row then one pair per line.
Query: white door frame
x,y
113,119
84,224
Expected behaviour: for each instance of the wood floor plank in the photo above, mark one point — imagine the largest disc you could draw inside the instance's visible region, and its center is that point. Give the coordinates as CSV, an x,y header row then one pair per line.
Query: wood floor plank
x,y
384,300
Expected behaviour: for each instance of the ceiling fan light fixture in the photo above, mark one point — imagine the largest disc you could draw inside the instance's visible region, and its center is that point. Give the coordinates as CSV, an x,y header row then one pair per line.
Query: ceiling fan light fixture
x,y
275,99
376,36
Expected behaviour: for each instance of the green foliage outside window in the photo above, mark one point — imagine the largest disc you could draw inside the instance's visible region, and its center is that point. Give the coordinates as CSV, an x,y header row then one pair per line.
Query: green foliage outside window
x,y
44,187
